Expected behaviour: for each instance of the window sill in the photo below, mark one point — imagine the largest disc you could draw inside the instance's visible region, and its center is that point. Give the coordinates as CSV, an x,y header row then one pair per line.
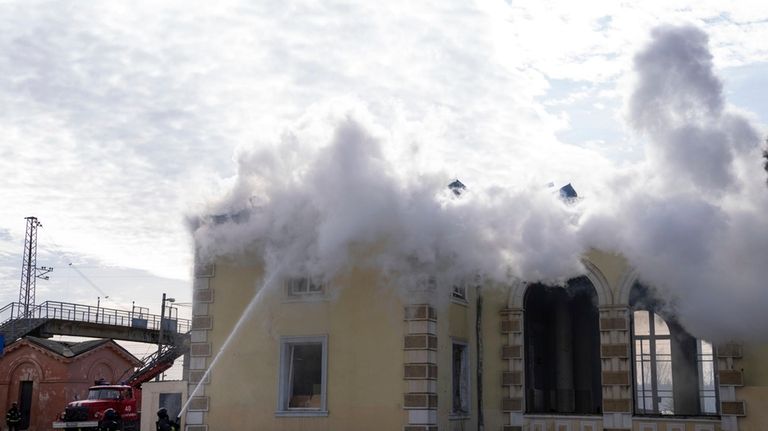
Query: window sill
x,y
301,413
713,418
459,301
307,299
552,415
459,417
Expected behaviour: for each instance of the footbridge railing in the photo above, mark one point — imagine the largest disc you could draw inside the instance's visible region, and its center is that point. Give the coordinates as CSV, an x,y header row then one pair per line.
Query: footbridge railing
x,y
92,314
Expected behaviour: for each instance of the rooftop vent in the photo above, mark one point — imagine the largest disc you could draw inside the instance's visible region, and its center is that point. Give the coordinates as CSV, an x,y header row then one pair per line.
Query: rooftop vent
x,y
457,187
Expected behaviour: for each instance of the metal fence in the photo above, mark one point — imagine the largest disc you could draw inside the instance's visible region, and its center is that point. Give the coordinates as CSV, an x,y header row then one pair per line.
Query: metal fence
x,y
136,318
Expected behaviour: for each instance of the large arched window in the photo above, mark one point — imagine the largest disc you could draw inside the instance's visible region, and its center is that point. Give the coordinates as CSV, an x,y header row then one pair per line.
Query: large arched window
x,y
674,372
562,349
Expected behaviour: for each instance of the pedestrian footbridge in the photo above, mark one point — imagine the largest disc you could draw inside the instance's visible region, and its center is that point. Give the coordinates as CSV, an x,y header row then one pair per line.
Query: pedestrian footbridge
x,y
63,318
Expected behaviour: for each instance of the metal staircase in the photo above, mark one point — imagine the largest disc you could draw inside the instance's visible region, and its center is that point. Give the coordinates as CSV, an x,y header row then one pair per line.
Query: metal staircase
x,y
15,329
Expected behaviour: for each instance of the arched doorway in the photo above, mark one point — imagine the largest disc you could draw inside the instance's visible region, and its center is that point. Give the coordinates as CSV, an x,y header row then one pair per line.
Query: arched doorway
x,y
562,349
25,381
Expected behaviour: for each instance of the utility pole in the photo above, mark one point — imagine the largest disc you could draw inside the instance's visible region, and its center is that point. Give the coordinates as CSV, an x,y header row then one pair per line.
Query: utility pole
x,y
29,270
160,335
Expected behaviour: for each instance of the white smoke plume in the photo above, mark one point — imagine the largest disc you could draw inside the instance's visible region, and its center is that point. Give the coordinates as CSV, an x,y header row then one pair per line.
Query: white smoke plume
x,y
690,218
317,212
765,163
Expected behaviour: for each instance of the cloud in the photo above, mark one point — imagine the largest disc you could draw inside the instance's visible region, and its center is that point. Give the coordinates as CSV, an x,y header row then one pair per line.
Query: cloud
x,y
122,117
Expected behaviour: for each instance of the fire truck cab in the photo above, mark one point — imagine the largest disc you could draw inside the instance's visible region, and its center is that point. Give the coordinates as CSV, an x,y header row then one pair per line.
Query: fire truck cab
x,y
88,414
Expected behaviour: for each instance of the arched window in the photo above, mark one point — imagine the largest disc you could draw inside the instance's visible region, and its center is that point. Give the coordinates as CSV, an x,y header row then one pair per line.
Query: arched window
x,y
653,364
674,372
562,349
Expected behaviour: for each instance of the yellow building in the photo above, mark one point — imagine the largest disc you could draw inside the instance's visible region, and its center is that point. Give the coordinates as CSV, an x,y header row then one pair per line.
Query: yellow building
x,y
354,355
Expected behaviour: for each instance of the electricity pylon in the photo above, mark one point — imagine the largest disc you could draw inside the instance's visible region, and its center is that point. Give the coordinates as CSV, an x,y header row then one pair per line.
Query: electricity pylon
x,y
29,269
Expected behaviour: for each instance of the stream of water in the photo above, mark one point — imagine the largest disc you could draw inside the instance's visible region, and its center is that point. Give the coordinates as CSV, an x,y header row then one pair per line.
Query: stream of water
x,y
243,318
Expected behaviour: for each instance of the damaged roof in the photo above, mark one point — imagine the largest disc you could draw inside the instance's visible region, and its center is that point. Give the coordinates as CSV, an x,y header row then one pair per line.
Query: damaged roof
x,y
70,349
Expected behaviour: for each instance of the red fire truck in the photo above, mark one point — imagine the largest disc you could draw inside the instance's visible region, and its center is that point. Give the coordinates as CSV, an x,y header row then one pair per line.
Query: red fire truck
x,y
87,414
125,398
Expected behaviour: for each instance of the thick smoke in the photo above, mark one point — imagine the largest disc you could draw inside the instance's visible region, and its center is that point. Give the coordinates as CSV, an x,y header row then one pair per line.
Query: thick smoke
x,y
678,104
318,212
765,163
690,218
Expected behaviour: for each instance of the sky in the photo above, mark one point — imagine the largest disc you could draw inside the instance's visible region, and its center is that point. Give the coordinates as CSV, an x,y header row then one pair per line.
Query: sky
x,y
121,123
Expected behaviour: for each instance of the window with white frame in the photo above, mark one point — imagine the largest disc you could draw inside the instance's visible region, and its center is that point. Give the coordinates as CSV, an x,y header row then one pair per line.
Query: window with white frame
x,y
653,364
460,390
303,287
303,374
674,372
705,360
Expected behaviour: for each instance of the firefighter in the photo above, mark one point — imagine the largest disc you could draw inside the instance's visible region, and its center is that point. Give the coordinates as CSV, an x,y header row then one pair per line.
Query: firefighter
x,y
13,417
111,420
164,423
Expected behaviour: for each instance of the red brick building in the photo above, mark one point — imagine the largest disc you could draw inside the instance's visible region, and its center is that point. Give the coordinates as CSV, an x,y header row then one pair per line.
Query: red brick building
x,y
44,375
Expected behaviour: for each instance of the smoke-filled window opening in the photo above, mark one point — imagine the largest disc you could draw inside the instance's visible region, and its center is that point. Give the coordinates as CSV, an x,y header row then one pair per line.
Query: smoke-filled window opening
x,y
459,379
674,373
299,287
459,292
303,371
562,349
460,288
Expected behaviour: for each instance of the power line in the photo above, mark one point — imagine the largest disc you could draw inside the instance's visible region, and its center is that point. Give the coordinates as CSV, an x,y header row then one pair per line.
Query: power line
x,y
88,280
57,249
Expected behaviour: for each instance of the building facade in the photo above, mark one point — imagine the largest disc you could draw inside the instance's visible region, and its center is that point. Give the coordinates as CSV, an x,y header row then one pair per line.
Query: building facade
x,y
601,354
43,375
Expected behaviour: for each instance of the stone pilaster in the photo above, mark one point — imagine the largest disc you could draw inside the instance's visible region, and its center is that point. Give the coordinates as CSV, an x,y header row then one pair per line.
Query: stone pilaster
x,y
513,376
730,377
616,365
420,367
200,349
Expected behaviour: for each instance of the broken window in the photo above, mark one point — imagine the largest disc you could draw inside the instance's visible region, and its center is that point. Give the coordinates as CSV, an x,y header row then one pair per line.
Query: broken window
x,y
303,374
562,349
674,372
459,292
460,379
303,286
460,289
